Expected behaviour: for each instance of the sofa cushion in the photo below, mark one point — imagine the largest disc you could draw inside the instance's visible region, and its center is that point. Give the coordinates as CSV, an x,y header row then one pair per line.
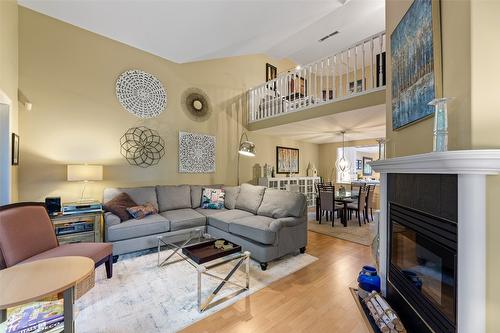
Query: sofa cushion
x,y
231,196
119,206
224,218
94,251
250,197
140,195
209,212
184,218
196,191
278,204
150,225
256,228
173,197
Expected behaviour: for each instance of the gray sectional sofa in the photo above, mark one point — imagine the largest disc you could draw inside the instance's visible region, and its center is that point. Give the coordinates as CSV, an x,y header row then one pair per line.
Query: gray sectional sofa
x,y
267,222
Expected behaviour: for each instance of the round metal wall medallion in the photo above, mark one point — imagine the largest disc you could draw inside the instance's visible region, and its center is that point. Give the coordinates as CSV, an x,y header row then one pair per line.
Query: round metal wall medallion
x,y
141,93
196,104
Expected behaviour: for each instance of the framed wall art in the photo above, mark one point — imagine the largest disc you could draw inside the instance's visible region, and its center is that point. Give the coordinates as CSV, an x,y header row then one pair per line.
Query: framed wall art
x,y
416,63
367,169
15,149
287,160
271,72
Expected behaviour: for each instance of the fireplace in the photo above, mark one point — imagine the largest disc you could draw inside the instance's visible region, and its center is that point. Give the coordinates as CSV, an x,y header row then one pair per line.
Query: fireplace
x,y
423,265
447,189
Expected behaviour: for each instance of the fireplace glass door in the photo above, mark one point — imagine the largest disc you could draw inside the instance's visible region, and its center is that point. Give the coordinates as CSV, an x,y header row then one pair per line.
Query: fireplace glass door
x,y
426,265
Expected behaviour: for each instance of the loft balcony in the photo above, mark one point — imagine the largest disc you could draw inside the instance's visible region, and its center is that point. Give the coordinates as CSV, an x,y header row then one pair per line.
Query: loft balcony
x,y
322,87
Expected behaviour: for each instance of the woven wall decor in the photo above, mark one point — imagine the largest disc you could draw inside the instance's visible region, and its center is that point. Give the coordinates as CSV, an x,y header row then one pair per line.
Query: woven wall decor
x,y
142,146
196,153
196,104
141,93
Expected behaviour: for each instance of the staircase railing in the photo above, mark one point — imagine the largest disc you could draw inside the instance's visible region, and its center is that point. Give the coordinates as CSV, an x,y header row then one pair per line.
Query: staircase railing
x,y
355,71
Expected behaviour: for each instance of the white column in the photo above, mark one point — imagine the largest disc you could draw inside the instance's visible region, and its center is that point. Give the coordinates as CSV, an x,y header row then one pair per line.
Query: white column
x,y
471,275
382,227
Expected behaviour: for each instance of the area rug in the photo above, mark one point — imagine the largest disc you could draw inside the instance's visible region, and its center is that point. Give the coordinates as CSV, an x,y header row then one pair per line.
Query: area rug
x,y
142,297
363,235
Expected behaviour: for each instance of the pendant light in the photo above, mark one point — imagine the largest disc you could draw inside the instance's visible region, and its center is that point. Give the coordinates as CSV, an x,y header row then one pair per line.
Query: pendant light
x,y
342,164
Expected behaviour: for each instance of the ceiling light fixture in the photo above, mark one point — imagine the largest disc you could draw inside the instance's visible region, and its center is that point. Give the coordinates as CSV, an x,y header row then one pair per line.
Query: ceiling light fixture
x,y
298,67
342,164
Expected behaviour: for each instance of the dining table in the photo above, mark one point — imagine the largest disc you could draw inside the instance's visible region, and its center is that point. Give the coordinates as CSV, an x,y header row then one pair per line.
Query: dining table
x,y
345,198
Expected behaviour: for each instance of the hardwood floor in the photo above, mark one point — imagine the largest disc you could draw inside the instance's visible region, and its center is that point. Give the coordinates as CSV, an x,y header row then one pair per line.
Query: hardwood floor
x,y
314,299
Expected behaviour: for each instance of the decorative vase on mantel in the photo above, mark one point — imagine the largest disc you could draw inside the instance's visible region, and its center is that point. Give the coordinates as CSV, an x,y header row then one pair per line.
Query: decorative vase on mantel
x,y
440,142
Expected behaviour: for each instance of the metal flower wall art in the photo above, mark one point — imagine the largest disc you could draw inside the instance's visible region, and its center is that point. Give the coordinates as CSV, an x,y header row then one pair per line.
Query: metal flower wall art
x,y
142,146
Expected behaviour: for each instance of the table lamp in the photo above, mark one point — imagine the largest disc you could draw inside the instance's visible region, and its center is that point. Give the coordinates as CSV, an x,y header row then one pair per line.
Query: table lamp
x,y
84,173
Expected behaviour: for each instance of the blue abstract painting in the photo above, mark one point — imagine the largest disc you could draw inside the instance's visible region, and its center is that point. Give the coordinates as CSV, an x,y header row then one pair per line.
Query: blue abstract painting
x,y
412,59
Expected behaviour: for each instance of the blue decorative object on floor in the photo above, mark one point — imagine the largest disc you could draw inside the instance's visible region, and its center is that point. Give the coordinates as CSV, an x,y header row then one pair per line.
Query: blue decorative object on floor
x,y
368,279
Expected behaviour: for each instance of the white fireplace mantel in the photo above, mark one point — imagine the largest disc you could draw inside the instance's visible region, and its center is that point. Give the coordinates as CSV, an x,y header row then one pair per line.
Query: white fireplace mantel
x,y
474,162
472,167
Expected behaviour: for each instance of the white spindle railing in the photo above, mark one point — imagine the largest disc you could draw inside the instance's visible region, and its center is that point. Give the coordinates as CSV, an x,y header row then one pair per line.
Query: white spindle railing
x,y
349,73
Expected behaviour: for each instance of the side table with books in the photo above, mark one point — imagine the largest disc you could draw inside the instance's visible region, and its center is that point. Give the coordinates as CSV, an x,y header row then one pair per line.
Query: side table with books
x,y
78,227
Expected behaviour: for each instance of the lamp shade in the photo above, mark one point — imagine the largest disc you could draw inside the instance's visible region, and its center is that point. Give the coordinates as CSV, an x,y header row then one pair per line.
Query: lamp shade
x,y
84,172
247,148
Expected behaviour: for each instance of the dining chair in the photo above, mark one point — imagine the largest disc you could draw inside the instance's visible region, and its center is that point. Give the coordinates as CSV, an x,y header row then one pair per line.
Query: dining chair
x,y
359,207
355,187
321,187
328,204
369,202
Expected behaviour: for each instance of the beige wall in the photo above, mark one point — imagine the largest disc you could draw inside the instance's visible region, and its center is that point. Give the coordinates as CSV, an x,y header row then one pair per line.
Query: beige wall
x,y
470,29
485,34
455,30
9,69
69,74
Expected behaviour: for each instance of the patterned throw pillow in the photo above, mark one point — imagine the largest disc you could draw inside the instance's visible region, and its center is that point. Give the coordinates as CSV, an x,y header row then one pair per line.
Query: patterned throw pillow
x,y
212,198
139,212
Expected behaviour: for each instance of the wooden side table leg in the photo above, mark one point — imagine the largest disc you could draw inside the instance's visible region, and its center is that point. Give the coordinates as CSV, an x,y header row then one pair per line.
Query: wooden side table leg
x,y
3,315
69,299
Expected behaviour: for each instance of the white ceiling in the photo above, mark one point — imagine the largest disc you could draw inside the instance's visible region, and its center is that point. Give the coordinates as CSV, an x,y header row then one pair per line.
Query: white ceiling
x,y
360,124
185,31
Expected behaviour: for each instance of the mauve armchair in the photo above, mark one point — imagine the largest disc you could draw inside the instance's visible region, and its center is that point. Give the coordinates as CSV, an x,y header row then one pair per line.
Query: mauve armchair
x,y
27,234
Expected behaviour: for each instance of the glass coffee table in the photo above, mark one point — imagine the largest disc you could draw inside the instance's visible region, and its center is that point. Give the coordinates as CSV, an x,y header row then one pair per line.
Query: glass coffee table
x,y
204,253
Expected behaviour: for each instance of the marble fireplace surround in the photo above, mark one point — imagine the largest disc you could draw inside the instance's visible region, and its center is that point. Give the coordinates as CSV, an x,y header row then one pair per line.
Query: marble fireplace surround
x,y
472,167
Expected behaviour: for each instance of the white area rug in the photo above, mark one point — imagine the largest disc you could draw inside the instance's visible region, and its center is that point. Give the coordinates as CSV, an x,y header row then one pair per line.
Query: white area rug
x,y
142,297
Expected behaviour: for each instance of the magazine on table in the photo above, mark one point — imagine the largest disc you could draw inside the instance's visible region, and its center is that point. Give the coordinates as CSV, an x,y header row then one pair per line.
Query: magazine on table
x,y
36,317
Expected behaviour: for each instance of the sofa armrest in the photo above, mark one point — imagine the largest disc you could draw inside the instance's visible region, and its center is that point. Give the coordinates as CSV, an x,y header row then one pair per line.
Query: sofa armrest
x,y
111,219
286,222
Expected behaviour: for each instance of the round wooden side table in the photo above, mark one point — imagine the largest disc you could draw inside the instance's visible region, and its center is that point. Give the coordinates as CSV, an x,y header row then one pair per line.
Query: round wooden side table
x,y
35,280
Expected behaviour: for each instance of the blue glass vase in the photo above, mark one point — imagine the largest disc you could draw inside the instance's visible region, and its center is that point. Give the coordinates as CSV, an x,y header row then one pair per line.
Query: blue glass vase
x,y
368,279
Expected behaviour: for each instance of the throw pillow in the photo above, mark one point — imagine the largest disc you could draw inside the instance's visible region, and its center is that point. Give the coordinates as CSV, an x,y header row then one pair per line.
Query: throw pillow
x,y
141,211
119,204
250,197
212,198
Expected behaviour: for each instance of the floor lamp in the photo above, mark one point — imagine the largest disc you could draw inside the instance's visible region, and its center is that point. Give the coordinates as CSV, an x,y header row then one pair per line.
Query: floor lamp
x,y
246,148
